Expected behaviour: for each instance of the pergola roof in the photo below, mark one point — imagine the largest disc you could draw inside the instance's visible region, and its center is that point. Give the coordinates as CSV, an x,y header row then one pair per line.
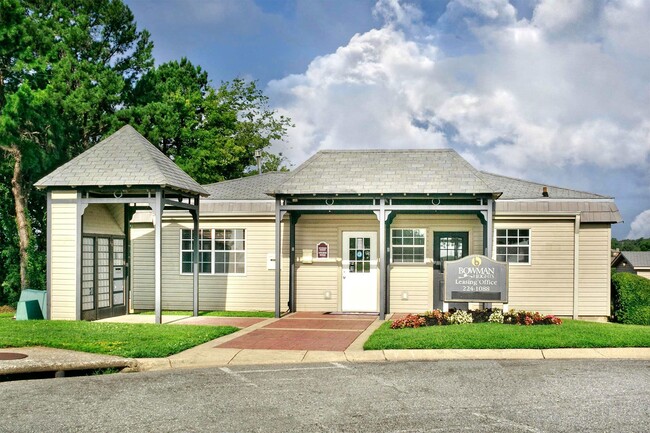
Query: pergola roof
x,y
125,159
438,171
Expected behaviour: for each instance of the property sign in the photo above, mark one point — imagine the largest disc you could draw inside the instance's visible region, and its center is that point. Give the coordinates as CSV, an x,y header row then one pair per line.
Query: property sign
x,y
476,279
322,250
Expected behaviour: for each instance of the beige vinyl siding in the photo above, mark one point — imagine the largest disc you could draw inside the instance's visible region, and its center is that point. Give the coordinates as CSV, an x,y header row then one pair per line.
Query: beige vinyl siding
x,y
417,282
63,257
644,274
253,291
594,271
314,280
417,279
546,284
102,219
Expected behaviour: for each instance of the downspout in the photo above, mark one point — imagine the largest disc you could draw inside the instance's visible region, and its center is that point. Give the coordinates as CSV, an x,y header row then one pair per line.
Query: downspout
x,y
576,266
278,256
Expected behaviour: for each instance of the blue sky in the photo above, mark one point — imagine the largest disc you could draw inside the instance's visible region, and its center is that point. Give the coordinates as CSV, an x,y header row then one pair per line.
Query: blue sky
x,y
555,91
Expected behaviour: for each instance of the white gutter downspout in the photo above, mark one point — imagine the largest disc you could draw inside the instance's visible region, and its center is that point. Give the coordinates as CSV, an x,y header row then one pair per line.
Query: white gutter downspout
x,y
576,265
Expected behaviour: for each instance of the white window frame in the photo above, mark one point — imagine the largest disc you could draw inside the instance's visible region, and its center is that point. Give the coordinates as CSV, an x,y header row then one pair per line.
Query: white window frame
x,y
424,246
213,252
529,245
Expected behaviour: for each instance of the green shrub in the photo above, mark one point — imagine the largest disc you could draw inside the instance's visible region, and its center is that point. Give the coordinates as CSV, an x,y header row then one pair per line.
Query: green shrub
x,y
631,299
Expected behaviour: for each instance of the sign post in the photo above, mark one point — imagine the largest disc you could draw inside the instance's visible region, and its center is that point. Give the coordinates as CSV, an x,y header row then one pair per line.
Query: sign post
x,y
476,278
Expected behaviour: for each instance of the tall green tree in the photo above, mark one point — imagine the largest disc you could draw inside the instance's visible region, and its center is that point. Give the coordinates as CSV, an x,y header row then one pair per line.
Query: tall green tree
x,y
211,133
66,66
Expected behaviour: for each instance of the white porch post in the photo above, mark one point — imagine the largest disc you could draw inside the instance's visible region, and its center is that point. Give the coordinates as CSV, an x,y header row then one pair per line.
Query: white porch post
x,y
382,258
158,210
195,260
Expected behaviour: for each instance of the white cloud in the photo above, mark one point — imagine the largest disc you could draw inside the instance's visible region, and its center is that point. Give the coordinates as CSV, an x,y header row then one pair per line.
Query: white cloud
x,y
640,227
566,88
557,15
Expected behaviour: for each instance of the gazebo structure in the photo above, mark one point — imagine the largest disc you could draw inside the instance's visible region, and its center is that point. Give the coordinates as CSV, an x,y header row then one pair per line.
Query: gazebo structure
x,y
90,202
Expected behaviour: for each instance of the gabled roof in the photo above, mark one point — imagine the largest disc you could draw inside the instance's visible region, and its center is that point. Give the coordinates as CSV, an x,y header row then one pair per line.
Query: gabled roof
x,y
439,171
246,188
638,259
522,189
126,159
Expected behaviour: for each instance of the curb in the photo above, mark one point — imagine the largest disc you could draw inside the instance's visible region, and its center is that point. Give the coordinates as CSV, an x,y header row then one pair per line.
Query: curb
x,y
268,357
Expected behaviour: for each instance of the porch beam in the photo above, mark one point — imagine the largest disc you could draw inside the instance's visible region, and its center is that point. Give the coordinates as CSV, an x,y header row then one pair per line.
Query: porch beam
x,y
375,208
179,204
126,200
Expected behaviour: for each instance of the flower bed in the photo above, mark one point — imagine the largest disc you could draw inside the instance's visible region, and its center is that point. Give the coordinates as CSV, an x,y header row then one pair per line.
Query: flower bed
x,y
460,317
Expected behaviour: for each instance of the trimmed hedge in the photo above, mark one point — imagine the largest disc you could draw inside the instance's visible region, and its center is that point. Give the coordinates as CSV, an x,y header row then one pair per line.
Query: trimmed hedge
x,y
631,299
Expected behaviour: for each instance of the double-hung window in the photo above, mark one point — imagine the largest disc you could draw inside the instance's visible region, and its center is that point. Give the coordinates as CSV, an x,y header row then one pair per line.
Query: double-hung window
x,y
407,245
513,245
221,251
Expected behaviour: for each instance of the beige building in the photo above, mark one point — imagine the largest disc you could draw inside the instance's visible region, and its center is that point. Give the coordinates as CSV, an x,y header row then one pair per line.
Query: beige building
x,y
356,231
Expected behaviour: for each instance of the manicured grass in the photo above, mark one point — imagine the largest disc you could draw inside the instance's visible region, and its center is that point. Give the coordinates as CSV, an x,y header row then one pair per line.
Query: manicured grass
x,y
122,339
572,333
215,313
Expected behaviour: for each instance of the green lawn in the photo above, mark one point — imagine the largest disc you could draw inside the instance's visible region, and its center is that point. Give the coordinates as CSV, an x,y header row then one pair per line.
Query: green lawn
x,y
122,339
572,333
216,313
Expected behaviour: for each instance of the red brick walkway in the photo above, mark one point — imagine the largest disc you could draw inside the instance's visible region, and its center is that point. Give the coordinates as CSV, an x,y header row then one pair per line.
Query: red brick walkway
x,y
305,331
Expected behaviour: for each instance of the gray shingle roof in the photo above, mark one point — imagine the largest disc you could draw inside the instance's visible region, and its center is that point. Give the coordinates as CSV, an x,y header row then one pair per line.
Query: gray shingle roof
x,y
246,188
385,171
125,158
638,259
522,189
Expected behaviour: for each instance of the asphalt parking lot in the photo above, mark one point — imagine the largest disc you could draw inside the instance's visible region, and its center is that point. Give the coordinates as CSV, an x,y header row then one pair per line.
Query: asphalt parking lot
x,y
450,396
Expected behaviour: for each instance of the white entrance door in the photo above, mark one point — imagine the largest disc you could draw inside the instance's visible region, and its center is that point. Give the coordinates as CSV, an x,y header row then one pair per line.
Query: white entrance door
x,y
359,286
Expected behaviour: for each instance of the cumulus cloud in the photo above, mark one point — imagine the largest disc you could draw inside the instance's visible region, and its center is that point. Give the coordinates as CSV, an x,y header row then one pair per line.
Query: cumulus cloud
x,y
565,87
640,227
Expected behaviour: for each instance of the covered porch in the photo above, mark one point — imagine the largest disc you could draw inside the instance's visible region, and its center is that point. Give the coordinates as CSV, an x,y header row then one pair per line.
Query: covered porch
x,y
368,215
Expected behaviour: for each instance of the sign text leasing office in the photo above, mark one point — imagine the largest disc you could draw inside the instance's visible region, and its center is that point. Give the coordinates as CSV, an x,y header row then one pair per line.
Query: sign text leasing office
x,y
476,278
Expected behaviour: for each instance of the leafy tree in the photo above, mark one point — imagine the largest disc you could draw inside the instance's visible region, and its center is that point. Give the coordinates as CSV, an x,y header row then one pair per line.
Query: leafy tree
x,y
642,244
65,68
210,133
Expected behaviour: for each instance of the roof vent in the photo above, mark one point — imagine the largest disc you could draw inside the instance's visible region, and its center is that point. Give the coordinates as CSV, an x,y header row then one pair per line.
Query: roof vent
x,y
545,191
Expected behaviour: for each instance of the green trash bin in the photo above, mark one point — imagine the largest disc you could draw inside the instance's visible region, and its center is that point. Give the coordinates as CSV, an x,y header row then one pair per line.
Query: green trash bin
x,y
32,305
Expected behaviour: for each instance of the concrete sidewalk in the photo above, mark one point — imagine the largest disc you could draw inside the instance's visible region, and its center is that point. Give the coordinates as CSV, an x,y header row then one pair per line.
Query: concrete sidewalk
x,y
41,359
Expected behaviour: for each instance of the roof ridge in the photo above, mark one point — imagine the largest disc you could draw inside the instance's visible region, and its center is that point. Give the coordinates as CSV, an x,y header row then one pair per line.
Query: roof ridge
x,y
476,173
300,168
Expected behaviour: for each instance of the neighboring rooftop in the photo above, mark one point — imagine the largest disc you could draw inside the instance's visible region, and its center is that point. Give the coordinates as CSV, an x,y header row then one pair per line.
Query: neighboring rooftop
x,y
522,189
438,171
246,188
125,159
638,259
